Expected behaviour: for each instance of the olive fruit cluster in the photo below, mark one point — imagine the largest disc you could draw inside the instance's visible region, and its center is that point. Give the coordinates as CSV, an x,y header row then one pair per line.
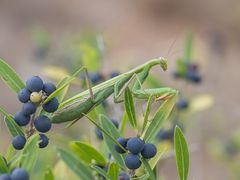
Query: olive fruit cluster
x,y
136,147
192,73
17,174
32,96
99,133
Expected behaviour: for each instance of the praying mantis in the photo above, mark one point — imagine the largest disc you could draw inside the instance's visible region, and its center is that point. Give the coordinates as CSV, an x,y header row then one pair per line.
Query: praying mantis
x,y
79,105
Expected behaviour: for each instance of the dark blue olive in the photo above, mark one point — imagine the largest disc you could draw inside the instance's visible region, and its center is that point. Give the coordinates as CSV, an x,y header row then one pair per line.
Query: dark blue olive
x,y
95,77
21,119
43,141
34,84
51,106
99,134
149,151
135,145
182,104
132,161
5,177
43,124
123,142
114,74
24,95
29,108
194,77
49,88
123,176
165,134
19,174
19,142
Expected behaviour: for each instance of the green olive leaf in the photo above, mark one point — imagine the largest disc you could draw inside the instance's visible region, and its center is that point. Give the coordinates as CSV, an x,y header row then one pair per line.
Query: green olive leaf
x,y
129,107
182,153
87,153
30,153
112,130
13,127
100,171
113,171
3,165
148,169
75,164
10,77
48,174
159,118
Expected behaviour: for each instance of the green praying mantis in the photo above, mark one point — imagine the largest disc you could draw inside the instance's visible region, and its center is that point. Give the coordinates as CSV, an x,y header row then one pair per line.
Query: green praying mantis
x,y
79,105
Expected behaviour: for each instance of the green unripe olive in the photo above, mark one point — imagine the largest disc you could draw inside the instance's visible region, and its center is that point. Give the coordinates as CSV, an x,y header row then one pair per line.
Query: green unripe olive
x,y
36,97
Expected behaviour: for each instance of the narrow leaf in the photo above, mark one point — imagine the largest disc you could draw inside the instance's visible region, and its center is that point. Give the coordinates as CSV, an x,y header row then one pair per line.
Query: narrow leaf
x,y
182,154
129,107
148,110
113,171
10,153
160,151
10,77
3,165
181,67
148,169
162,114
30,153
100,171
87,153
77,166
112,130
123,123
48,175
13,128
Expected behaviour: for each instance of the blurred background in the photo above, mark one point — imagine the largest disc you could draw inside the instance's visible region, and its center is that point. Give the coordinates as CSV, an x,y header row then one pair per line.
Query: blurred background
x,y
36,34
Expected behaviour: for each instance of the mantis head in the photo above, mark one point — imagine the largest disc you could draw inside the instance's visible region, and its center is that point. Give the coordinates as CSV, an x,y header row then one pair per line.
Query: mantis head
x,y
163,63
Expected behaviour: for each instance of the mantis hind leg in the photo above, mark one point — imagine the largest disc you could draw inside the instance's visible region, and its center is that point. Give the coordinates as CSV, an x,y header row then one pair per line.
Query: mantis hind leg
x,y
89,84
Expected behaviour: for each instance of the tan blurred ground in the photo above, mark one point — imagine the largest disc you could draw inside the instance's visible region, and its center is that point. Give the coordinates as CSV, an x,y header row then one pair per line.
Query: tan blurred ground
x,y
136,31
